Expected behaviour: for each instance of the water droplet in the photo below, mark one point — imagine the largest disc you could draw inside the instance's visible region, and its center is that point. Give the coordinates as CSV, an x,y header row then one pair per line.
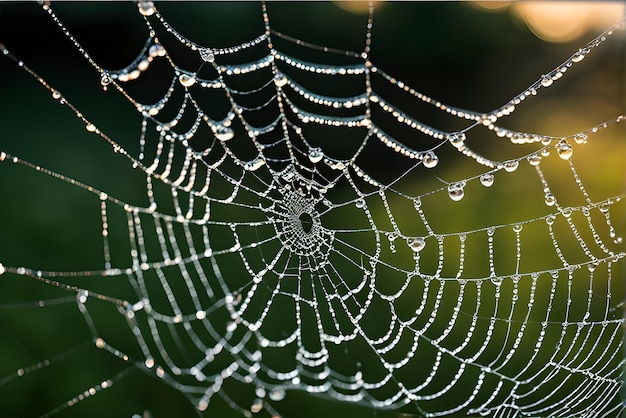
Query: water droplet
x,y
225,134
277,394
187,80
430,160
315,155
256,406
146,8
417,244
511,166
550,219
143,65
604,208
567,212
360,203
91,127
156,50
457,139
534,159
82,296
207,55
417,203
517,228
618,240
336,165
487,179
254,164
100,343
550,199
546,81
56,95
455,191
579,56
123,77
280,80
581,138
496,280
564,150
2,269
104,81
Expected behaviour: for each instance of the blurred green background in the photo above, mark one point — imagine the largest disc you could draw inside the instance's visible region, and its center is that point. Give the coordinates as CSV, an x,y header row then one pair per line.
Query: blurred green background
x,y
458,52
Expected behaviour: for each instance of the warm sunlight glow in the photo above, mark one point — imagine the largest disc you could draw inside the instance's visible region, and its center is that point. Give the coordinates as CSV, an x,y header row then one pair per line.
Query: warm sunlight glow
x,y
491,6
567,21
357,6
558,21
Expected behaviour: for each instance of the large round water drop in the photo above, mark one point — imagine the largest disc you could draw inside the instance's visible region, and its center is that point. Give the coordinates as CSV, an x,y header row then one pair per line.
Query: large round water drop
x,y
486,179
564,150
455,191
417,244
187,80
581,138
280,80
224,134
534,159
579,56
146,8
315,155
511,166
546,81
207,55
277,394
430,160
457,139
496,280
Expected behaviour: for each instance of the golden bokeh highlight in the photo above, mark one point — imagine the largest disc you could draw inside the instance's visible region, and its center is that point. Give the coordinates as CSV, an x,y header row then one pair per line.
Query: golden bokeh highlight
x,y
357,6
491,6
559,21
567,21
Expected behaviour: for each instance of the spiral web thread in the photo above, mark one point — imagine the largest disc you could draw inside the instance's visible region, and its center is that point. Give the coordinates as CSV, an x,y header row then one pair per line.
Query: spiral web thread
x,y
264,259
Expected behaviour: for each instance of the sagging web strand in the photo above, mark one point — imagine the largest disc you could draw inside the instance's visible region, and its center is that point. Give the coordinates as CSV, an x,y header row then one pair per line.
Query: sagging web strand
x,y
441,332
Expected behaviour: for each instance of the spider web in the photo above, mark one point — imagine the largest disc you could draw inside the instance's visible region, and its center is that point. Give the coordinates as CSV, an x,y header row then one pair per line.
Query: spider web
x,y
300,229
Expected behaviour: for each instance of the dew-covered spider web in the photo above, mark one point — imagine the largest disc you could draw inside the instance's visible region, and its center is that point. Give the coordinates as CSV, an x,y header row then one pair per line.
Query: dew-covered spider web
x,y
275,222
